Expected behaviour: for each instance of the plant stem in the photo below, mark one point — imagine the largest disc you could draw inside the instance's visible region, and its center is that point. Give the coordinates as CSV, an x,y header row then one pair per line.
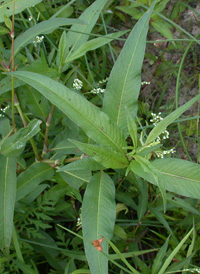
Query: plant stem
x,y
47,130
16,103
13,68
70,160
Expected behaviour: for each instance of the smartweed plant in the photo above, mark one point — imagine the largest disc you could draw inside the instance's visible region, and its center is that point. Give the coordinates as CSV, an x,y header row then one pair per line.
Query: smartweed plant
x,y
72,146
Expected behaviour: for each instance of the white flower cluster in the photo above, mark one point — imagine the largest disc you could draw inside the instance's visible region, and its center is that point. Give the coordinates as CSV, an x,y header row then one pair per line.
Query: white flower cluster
x,y
161,154
193,270
3,110
30,18
78,84
97,90
145,83
100,90
156,118
38,39
103,81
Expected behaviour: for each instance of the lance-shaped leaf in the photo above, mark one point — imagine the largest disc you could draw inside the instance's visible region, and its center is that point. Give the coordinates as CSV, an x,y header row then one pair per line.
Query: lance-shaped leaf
x,y
75,178
178,176
103,155
78,35
132,128
14,145
149,168
7,198
85,163
28,180
93,44
98,219
6,7
125,79
90,118
161,126
44,27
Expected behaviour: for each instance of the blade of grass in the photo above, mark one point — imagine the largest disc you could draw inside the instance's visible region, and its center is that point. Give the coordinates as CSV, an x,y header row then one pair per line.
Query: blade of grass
x,y
174,252
121,256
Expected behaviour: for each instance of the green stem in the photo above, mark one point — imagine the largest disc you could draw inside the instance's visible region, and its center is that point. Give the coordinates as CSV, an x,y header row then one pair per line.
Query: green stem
x,y
16,103
36,152
47,130
70,160
13,68
13,103
35,149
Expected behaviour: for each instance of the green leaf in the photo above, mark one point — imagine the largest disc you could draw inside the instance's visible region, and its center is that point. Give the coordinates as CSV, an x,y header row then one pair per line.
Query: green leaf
x,y
98,219
78,35
143,198
7,198
132,11
90,118
6,7
120,232
161,126
158,261
62,49
177,266
149,168
146,165
65,147
120,255
178,176
125,79
163,28
50,254
83,164
15,144
44,27
132,128
103,155
75,178
181,203
126,199
81,271
5,127
174,252
29,198
28,180
160,217
25,268
93,44
8,22
37,104
3,30
160,6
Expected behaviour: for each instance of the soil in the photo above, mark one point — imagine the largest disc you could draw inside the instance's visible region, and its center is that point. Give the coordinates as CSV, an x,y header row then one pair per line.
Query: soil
x,y
168,60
